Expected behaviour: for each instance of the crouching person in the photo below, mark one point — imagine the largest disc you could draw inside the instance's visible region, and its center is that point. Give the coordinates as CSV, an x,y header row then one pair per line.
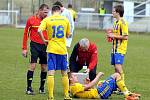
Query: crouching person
x,y
84,54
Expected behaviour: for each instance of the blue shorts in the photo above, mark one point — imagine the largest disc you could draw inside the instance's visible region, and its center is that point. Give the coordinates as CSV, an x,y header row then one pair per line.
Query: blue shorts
x,y
57,62
117,58
107,87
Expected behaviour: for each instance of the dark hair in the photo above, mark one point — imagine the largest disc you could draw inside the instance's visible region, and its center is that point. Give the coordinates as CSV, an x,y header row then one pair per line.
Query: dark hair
x,y
119,9
55,8
69,5
42,6
58,3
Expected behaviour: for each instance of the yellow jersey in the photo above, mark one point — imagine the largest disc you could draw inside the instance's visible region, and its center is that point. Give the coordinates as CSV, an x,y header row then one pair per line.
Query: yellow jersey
x,y
73,13
77,90
57,27
120,28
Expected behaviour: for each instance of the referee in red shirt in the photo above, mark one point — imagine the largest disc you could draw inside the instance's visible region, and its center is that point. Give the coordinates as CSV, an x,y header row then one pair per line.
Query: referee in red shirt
x,y
37,48
84,54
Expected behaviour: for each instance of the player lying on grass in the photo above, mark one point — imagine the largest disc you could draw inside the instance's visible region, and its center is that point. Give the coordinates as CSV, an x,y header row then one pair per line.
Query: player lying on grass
x,y
103,90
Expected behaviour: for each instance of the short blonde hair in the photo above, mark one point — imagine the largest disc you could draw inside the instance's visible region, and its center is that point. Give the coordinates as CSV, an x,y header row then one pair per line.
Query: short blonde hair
x,y
84,43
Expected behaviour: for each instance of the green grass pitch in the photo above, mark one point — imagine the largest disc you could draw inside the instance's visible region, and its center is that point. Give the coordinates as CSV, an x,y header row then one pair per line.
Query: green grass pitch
x,y
13,66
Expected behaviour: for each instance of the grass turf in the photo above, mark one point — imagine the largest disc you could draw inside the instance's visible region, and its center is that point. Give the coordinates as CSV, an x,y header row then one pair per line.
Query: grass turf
x,y
13,66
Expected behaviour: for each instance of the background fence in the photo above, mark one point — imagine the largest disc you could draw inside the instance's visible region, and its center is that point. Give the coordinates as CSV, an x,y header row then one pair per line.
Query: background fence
x,y
95,21
16,12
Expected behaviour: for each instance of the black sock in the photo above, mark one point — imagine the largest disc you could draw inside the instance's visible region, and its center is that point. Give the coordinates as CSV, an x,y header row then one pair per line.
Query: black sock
x,y
43,79
29,78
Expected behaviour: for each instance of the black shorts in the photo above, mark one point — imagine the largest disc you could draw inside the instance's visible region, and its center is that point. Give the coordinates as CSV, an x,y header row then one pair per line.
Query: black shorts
x,y
38,51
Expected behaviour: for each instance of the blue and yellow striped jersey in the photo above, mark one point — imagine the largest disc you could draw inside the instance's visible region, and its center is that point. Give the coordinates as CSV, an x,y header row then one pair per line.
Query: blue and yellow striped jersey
x,y
120,28
57,27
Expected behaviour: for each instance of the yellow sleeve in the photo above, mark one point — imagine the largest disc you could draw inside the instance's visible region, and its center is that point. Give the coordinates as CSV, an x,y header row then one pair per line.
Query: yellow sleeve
x,y
43,25
124,28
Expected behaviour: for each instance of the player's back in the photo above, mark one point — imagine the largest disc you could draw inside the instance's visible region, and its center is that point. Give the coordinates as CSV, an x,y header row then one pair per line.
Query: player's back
x,y
58,27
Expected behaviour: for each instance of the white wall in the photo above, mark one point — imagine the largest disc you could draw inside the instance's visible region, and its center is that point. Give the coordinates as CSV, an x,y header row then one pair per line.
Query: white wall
x,y
148,9
129,11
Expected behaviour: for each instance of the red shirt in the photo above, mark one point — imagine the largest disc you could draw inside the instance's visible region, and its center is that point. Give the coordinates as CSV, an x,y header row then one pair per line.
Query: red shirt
x,y
90,57
31,29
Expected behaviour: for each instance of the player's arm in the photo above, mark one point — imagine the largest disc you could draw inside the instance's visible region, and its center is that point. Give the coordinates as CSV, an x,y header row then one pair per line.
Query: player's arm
x,y
94,82
42,37
41,28
68,34
121,37
25,38
124,30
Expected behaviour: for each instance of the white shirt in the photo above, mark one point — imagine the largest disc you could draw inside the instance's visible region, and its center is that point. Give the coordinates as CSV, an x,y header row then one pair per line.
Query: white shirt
x,y
67,14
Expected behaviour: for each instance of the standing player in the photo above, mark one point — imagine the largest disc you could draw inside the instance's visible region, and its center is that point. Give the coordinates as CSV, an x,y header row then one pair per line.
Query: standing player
x,y
37,48
74,14
65,12
58,29
120,39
